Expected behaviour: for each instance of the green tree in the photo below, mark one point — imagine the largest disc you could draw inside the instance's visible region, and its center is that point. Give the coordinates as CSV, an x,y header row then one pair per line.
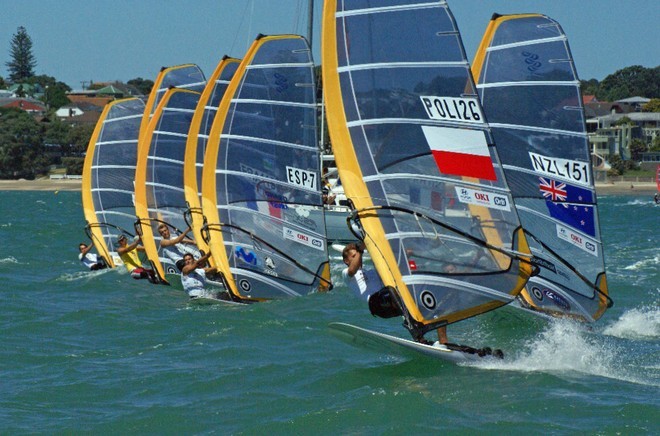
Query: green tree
x,y
622,121
143,85
637,147
589,87
22,61
629,82
617,164
54,92
3,84
78,139
652,106
21,148
57,133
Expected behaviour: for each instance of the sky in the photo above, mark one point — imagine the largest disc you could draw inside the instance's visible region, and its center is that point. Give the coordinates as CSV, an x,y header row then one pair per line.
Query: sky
x,y
79,41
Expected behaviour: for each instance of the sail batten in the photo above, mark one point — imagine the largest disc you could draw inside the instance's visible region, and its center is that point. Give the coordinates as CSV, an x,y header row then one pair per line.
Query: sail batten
x,y
528,43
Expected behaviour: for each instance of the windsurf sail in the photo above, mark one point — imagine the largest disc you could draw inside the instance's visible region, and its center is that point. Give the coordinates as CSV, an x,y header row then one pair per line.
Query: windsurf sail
x,y
196,144
159,194
529,88
418,162
261,179
108,174
186,76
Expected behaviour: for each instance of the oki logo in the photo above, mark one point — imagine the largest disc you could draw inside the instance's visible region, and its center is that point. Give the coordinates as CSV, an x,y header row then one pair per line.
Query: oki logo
x,y
303,237
576,238
481,196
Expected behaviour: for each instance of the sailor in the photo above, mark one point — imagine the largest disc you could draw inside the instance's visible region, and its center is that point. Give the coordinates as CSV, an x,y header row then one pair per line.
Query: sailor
x,y
129,255
367,285
175,248
328,196
90,260
656,198
193,275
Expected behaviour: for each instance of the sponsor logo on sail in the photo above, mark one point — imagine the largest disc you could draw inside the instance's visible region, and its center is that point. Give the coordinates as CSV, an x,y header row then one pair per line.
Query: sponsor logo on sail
x,y
483,198
302,238
578,240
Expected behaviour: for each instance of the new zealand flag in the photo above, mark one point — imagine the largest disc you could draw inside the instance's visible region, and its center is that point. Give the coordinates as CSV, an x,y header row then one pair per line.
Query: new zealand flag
x,y
569,204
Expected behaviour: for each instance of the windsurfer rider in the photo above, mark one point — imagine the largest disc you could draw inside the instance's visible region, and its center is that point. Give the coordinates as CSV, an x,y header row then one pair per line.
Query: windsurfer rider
x,y
174,248
91,260
129,255
193,275
367,283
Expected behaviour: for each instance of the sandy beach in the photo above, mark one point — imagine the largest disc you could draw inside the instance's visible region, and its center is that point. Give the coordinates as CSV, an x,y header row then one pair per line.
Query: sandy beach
x,y
615,188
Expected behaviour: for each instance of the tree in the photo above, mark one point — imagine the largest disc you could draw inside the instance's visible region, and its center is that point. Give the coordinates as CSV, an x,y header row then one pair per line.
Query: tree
x,y
22,61
652,106
637,147
54,92
589,87
143,85
21,147
78,138
629,82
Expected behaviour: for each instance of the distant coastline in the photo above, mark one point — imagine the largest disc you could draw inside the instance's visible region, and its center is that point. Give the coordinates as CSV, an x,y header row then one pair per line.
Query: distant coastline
x,y
616,188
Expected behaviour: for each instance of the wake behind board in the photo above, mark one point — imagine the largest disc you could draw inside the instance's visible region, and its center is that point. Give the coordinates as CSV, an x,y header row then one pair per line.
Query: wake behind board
x,y
211,298
359,336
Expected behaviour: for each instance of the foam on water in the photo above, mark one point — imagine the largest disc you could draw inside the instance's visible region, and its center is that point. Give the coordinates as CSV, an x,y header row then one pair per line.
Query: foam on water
x,y
645,263
565,347
9,259
639,323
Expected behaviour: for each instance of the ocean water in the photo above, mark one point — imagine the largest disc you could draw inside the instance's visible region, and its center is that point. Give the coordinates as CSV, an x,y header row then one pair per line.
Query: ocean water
x,y
98,352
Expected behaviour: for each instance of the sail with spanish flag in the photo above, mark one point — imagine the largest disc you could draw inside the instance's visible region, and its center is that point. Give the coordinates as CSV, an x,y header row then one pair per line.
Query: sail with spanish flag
x,y
418,162
261,191
530,91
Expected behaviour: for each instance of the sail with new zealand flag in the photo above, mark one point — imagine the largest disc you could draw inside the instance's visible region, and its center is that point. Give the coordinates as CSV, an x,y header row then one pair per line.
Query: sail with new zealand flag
x,y
530,94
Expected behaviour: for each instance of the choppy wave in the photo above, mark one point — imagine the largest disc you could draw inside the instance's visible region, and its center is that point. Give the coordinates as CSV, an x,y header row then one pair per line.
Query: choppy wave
x,y
567,348
9,259
641,323
645,263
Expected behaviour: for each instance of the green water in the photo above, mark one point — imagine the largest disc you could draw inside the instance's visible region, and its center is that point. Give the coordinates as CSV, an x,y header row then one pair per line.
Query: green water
x,y
98,352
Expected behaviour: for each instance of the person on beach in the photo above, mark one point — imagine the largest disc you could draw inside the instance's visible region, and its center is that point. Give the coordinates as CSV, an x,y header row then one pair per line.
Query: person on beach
x,y
175,247
129,255
193,274
367,285
91,260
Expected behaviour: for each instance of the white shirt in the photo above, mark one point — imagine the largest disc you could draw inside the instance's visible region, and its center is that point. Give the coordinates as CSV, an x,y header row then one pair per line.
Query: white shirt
x,y
194,282
364,283
89,260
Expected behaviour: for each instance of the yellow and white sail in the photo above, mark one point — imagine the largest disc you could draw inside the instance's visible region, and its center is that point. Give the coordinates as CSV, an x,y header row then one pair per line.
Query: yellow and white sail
x,y
261,179
418,162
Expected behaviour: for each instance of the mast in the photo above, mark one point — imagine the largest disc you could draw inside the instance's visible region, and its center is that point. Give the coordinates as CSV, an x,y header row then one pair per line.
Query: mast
x,y
310,22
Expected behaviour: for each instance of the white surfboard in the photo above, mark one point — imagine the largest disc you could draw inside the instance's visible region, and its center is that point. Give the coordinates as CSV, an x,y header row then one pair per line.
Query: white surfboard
x,y
362,337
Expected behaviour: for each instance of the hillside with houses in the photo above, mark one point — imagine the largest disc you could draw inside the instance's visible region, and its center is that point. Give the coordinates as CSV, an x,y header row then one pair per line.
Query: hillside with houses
x,y
624,134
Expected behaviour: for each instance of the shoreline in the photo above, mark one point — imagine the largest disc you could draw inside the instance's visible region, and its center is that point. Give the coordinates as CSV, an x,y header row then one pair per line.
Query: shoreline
x,y
614,188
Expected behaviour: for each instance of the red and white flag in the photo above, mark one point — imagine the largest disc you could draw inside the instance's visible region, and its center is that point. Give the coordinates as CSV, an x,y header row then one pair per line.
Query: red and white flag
x,y
460,152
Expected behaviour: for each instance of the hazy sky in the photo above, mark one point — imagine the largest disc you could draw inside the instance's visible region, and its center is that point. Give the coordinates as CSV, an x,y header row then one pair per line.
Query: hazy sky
x,y
106,40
